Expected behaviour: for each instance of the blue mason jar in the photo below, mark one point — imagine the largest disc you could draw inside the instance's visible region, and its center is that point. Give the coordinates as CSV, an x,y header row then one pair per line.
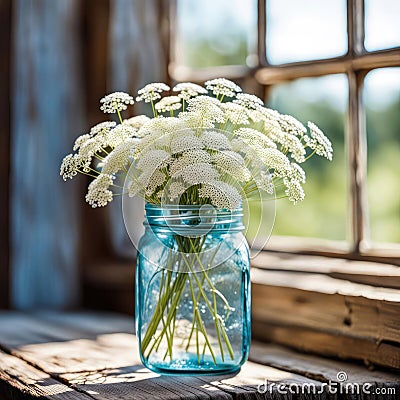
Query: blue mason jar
x,y
193,290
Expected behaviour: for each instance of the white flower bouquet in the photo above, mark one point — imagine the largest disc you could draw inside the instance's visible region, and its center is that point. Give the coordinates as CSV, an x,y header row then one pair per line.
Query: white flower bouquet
x,y
211,145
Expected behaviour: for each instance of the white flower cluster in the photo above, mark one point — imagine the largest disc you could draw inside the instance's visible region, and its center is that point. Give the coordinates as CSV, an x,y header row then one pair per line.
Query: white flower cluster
x,y
222,86
102,128
248,101
188,89
207,150
137,122
115,102
152,92
235,113
208,107
319,142
221,194
169,103
99,194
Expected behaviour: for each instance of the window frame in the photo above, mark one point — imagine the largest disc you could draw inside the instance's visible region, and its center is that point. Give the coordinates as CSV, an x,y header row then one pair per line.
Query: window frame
x,y
356,63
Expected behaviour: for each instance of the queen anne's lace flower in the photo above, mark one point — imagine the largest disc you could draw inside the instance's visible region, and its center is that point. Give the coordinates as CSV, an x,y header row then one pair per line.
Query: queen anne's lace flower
x,y
184,141
221,194
195,120
215,140
254,137
187,90
118,135
189,154
248,101
208,107
152,92
119,157
151,180
190,157
231,163
98,194
294,190
136,122
294,146
291,125
114,102
160,126
235,113
264,114
102,128
169,103
175,190
153,159
70,166
277,161
297,173
253,153
81,140
222,86
264,182
198,173
318,142
88,149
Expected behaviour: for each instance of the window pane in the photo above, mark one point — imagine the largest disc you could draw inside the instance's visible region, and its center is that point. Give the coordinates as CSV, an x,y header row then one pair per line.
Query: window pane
x,y
216,32
382,26
322,214
382,99
305,30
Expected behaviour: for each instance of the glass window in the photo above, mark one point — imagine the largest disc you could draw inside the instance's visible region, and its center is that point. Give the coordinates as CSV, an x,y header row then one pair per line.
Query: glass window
x,y
382,26
382,101
305,30
322,214
216,32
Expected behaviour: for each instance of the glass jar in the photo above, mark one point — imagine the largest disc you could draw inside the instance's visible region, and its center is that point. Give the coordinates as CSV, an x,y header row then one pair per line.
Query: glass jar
x,y
193,290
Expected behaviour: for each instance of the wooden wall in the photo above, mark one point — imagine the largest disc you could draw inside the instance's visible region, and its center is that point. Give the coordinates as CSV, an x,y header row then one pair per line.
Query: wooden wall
x,y
61,58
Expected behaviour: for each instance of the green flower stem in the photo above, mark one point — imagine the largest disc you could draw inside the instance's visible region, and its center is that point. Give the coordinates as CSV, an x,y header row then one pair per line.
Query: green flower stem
x,y
170,294
193,320
158,315
119,115
214,301
201,326
210,307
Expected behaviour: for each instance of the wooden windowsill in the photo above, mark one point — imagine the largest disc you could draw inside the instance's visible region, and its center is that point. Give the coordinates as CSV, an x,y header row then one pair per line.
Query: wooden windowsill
x,y
338,308
83,356
332,307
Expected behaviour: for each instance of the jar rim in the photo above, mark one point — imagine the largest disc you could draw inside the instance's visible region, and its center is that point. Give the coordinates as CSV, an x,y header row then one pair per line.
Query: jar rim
x,y
188,207
179,218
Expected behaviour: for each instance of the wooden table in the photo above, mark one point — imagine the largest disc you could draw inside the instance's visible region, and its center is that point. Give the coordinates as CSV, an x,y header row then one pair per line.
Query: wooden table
x,y
84,356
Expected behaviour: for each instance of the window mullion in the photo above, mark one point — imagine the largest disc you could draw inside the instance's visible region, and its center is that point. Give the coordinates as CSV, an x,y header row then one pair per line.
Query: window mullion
x,y
357,162
261,35
356,133
355,27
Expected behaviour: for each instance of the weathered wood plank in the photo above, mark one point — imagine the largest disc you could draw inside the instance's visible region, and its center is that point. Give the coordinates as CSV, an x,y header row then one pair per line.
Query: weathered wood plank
x,y
328,344
366,272
92,354
138,383
82,352
19,380
324,303
318,368
47,111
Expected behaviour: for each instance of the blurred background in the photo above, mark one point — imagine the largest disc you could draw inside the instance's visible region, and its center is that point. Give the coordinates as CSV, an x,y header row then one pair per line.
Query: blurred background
x,y
304,58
